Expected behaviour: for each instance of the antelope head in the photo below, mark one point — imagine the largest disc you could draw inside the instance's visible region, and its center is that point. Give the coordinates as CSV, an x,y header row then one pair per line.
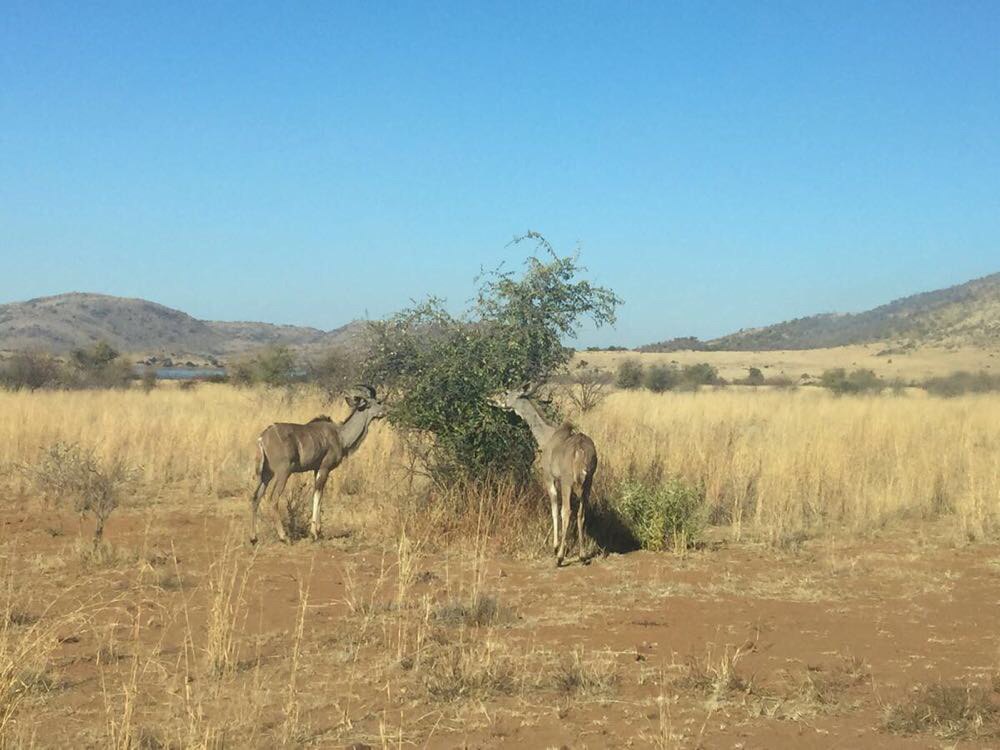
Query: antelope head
x,y
367,402
508,398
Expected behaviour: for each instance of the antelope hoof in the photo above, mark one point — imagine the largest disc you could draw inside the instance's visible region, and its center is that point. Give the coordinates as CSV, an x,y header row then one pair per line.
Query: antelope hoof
x,y
314,534
253,541
559,562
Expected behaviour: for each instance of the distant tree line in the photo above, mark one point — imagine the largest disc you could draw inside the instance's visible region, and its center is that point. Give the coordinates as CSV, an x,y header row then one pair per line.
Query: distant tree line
x,y
102,367
278,366
632,375
98,366
666,377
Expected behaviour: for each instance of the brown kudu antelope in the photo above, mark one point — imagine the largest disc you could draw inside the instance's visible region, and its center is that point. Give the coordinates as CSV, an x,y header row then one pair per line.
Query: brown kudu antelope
x,y
568,460
318,446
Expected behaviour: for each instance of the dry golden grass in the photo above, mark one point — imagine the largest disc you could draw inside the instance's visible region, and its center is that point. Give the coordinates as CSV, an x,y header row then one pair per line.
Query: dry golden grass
x,y
779,464
774,465
201,439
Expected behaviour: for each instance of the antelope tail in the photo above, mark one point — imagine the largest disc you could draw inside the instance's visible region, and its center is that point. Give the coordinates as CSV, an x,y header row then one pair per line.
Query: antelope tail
x,y
579,457
258,467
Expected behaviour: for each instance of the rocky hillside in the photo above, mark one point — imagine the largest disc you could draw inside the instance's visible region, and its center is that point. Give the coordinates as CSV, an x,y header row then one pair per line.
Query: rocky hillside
x,y
67,321
963,315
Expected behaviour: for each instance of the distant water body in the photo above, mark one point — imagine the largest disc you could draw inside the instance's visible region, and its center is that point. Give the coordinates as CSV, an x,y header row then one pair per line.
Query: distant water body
x,y
188,373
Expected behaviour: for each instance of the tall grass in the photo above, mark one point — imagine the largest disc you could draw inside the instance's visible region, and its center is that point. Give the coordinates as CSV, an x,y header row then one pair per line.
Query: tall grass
x,y
773,464
780,464
202,439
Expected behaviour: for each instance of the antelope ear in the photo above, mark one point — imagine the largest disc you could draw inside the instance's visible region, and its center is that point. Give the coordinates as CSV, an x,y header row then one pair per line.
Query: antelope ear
x,y
353,401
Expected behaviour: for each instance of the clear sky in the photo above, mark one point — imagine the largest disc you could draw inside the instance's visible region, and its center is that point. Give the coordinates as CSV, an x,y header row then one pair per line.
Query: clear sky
x,y
720,164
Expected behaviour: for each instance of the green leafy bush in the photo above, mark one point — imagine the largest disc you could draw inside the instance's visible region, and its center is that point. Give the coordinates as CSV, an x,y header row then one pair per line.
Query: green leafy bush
x,y
629,375
668,513
442,370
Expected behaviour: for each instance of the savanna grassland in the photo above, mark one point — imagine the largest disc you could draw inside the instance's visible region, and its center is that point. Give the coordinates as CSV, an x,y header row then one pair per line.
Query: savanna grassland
x,y
883,359
842,592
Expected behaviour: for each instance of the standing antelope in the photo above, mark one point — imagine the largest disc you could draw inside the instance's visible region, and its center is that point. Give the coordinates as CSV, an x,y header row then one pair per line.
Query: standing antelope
x,y
568,462
318,446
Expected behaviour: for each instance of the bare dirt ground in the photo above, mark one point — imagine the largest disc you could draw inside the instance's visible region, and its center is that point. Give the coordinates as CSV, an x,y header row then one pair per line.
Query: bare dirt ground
x,y
187,637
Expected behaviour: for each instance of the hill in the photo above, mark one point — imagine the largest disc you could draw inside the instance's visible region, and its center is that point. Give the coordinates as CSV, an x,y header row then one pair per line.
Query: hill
x,y
966,315
67,321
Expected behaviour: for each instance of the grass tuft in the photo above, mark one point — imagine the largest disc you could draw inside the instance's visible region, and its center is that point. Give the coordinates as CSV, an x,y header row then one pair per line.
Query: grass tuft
x,y
579,674
952,712
483,611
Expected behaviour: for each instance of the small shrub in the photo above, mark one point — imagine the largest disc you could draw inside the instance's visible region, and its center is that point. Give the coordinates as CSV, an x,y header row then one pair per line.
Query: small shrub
x,y
754,377
661,514
298,506
630,375
148,379
948,711
100,354
841,382
103,554
483,611
699,374
241,373
660,378
586,387
66,470
100,366
716,675
274,366
474,671
575,674
780,381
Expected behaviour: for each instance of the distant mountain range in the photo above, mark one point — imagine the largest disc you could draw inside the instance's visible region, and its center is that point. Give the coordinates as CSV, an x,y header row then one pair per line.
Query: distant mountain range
x,y
68,321
963,315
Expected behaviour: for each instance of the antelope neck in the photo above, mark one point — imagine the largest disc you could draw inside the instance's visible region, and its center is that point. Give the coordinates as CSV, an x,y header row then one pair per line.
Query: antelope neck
x,y
353,430
541,429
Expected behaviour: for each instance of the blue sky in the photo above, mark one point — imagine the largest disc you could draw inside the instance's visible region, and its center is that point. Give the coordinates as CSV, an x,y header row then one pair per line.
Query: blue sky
x,y
719,164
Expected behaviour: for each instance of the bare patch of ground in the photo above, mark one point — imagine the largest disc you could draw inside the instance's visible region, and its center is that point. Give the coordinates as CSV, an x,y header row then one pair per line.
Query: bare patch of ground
x,y
179,634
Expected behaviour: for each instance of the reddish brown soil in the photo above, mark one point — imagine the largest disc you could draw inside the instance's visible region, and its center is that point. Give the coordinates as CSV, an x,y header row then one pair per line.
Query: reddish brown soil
x,y
821,642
